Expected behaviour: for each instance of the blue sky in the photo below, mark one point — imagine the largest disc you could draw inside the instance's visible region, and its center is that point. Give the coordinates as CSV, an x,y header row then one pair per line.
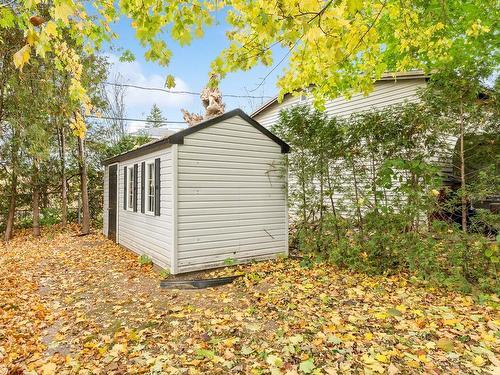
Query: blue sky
x,y
190,65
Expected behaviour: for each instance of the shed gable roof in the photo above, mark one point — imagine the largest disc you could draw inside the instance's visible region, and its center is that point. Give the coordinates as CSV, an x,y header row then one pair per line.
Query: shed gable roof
x,y
178,138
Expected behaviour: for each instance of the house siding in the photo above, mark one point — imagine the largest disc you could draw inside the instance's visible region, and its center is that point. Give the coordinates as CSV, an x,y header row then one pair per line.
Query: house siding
x,y
385,93
141,232
105,203
231,197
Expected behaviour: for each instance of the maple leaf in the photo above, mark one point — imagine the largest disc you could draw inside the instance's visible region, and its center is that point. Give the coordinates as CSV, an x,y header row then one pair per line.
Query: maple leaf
x,y
170,81
445,344
50,28
48,368
307,366
63,10
22,56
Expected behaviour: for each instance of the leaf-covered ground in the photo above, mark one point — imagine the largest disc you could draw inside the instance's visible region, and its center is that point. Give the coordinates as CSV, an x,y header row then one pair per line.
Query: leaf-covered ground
x,y
84,305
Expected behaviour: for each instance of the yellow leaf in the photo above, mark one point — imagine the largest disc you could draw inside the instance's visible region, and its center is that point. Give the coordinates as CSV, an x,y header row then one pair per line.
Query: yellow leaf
x,y
423,358
445,344
382,358
450,322
117,349
63,10
170,81
51,28
31,37
22,56
49,369
478,360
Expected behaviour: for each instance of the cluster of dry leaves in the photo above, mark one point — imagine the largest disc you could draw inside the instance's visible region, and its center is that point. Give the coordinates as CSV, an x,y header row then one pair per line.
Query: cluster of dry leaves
x,y
84,305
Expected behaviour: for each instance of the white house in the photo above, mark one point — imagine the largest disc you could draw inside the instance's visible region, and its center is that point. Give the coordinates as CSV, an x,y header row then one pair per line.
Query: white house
x,y
153,133
391,89
197,198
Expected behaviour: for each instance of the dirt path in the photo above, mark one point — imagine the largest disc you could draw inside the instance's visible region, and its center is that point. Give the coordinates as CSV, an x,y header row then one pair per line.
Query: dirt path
x,y
84,305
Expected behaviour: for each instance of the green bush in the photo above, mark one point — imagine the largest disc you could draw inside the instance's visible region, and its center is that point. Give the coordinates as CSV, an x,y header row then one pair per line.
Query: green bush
x,y
365,191
145,260
50,216
443,255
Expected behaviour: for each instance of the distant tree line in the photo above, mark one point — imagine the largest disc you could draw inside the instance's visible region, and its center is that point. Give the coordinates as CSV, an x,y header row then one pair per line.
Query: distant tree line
x,y
46,167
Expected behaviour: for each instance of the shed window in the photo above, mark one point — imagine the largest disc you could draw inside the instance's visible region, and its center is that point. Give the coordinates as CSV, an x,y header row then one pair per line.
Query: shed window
x,y
150,188
130,188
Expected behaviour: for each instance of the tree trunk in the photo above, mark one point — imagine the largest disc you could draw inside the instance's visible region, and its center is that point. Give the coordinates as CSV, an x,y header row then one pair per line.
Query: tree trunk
x,y
12,206
374,182
356,195
64,186
304,194
462,171
13,190
321,201
332,201
35,200
84,187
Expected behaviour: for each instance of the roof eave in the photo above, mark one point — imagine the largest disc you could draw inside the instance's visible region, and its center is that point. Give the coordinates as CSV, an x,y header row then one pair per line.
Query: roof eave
x,y
140,151
178,138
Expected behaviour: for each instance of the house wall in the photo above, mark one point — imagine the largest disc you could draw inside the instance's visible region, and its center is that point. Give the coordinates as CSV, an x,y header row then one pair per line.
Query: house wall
x,y
141,232
384,94
105,204
231,200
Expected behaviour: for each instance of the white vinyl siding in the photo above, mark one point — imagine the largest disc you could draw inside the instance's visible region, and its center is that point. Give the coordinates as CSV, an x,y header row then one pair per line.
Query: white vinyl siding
x,y
142,233
385,93
105,203
222,196
231,197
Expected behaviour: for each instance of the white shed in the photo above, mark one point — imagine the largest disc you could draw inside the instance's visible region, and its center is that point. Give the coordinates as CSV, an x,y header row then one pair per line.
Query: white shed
x,y
206,195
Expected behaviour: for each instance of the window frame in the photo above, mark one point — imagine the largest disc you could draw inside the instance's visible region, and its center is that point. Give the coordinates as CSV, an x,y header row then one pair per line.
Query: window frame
x,y
150,175
130,187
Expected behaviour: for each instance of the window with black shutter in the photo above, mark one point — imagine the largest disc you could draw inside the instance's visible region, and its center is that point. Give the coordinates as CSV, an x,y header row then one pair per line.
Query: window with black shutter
x,y
135,186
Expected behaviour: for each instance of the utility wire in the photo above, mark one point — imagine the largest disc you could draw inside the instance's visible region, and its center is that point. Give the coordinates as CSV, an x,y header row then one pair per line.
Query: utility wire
x,y
7,3
182,92
135,119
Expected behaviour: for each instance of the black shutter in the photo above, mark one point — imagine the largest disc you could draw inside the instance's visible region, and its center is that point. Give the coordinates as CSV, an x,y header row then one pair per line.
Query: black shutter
x,y
124,188
136,171
143,187
157,187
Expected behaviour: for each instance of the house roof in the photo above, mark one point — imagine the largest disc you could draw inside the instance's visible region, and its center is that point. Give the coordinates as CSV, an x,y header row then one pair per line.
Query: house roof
x,y
156,133
413,74
178,137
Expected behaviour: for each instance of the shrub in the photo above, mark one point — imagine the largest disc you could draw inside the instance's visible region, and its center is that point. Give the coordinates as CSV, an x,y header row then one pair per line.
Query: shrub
x,y
444,255
164,274
145,260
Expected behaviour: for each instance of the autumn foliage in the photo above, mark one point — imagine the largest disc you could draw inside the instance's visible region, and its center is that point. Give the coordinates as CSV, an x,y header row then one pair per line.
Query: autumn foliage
x,y
84,305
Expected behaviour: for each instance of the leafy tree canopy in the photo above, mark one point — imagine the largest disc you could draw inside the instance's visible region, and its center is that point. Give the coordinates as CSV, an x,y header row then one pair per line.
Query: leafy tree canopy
x,y
339,46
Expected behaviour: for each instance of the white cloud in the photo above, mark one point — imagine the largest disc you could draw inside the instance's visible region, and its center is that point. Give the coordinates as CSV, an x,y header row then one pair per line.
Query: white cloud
x,y
138,102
